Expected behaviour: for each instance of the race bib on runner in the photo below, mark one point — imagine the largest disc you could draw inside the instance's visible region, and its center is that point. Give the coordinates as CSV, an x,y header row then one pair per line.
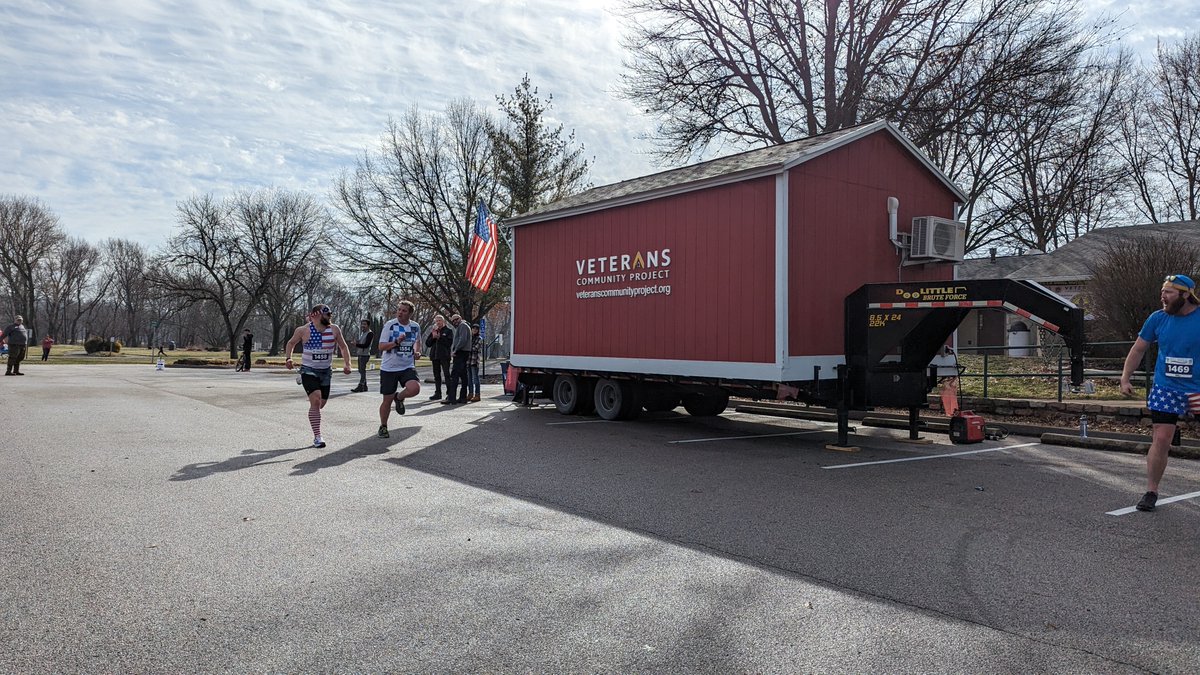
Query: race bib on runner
x,y
1178,367
405,347
320,357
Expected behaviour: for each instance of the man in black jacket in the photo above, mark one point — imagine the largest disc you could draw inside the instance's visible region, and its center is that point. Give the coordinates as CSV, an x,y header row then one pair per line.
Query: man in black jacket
x,y
437,345
362,347
247,346
17,337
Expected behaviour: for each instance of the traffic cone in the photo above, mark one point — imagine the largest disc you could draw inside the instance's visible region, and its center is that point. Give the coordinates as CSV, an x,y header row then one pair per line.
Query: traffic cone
x,y
950,396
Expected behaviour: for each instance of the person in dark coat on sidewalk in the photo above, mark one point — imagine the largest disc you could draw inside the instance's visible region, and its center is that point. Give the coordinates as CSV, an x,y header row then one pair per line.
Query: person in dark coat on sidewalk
x,y
247,346
362,347
437,345
17,337
461,350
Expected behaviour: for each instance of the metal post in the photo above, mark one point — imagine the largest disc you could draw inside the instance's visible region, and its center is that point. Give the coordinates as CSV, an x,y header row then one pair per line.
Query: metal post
x,y
843,412
913,421
1060,376
985,374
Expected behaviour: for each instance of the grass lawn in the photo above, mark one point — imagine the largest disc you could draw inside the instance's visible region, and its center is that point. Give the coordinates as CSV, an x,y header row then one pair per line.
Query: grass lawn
x,y
1037,378
75,355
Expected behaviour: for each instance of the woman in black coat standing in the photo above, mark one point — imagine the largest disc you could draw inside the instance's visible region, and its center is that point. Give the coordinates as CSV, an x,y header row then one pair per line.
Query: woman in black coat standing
x,y
437,345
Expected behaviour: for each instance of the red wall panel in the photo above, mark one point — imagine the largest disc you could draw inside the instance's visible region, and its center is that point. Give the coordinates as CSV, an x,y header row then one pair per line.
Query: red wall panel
x,y
722,275
838,233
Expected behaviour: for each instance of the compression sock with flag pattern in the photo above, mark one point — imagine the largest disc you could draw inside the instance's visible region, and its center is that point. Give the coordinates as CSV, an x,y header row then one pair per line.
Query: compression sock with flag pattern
x,y
314,419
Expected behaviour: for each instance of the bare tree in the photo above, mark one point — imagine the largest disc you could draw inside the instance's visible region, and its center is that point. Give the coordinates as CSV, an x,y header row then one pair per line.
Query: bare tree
x,y
762,72
126,262
1160,139
62,281
228,253
29,236
1132,270
284,230
205,262
287,299
1054,176
411,206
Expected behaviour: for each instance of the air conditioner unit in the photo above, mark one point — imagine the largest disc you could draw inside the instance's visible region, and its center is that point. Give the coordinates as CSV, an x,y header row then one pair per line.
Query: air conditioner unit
x,y
939,238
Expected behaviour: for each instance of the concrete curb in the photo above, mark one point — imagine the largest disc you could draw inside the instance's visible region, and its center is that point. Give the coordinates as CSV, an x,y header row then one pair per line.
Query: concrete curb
x,y
1107,441
1112,445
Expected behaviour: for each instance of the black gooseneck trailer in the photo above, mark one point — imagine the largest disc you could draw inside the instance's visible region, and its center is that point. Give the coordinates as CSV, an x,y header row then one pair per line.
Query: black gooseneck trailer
x,y
894,331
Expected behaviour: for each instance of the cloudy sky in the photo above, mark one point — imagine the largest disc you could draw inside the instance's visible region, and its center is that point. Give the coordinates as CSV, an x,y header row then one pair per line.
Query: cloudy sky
x,y
111,111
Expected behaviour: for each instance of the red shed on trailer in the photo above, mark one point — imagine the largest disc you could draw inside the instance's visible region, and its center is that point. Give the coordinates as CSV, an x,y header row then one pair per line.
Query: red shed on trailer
x,y
729,271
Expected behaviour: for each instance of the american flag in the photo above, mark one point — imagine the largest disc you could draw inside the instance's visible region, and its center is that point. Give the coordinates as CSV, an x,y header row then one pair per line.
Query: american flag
x,y
1179,403
319,340
481,261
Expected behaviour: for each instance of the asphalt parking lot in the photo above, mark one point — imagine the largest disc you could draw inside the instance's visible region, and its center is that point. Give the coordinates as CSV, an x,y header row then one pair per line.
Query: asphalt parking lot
x,y
178,521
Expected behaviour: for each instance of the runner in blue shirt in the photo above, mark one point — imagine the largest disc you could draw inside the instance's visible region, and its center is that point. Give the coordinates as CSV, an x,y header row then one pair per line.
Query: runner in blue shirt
x,y
1176,390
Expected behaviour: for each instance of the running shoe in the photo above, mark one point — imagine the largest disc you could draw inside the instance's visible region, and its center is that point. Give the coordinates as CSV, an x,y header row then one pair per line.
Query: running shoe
x,y
317,442
399,406
1148,501
383,432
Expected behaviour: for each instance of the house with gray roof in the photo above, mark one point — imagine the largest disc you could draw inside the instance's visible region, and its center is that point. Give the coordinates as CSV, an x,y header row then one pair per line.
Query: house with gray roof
x,y
1065,270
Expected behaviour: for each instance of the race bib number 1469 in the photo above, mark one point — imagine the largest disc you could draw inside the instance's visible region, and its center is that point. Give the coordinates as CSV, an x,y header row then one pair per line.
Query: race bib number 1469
x,y
1178,367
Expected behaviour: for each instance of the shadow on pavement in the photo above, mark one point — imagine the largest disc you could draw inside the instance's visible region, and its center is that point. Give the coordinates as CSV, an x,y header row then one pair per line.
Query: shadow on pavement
x,y
371,445
1005,540
247,459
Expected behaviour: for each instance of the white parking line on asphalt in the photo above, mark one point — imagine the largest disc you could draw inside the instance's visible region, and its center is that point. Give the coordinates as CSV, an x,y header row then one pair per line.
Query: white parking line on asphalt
x,y
1168,500
734,438
922,457
681,418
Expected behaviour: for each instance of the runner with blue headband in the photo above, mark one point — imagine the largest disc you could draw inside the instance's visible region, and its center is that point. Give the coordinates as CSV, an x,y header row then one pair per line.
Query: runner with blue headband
x,y
1176,389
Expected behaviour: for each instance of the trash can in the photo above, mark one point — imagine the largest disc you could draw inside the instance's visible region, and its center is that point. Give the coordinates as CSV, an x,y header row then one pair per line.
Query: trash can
x,y
1019,337
504,376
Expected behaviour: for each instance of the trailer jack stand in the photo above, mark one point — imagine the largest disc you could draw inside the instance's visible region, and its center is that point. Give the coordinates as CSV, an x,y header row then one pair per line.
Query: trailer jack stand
x,y
914,428
843,416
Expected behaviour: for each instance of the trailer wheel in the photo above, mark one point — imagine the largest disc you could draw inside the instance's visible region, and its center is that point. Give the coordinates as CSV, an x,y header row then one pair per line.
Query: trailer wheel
x,y
571,395
616,400
709,404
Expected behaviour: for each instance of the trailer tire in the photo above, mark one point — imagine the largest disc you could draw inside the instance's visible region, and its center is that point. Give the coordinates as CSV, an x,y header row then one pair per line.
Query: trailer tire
x,y
587,398
660,401
616,400
709,404
571,395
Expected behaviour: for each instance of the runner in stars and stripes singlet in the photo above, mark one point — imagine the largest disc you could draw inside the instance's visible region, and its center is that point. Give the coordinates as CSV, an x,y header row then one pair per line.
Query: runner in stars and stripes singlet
x,y
318,348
